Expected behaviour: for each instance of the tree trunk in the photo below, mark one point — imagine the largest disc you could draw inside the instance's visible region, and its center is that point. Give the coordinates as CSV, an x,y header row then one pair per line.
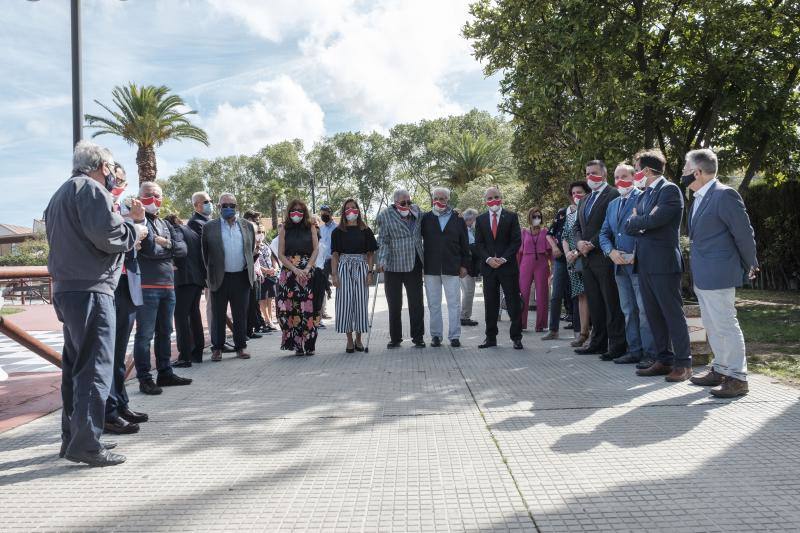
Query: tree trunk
x,y
273,208
146,161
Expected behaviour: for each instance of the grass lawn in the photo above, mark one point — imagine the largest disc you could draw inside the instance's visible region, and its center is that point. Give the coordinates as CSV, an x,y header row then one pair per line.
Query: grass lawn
x,y
10,311
770,321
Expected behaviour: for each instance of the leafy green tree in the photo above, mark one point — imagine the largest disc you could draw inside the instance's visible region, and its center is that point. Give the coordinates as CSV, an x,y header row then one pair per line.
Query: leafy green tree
x,y
146,116
463,158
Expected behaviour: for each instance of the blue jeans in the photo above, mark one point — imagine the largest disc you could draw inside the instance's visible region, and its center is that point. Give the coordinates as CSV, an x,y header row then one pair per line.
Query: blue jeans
x,y
154,319
560,284
637,329
87,366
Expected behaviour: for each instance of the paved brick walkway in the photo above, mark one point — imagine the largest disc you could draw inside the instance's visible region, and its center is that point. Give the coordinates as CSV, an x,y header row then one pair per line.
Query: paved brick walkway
x,y
422,440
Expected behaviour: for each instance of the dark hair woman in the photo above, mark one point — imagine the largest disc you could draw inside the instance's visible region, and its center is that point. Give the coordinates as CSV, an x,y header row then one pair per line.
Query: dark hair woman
x,y
580,319
533,258
353,248
298,246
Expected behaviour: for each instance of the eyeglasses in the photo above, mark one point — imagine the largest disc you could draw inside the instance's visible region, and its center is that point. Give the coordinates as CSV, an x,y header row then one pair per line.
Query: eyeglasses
x,y
206,202
152,195
224,206
403,203
439,199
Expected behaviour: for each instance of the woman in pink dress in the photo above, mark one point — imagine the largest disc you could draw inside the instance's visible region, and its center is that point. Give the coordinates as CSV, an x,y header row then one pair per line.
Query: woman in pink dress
x,y
534,267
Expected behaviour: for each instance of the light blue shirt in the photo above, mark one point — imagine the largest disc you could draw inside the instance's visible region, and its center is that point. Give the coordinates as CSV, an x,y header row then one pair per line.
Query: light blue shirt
x,y
233,246
471,234
325,232
444,219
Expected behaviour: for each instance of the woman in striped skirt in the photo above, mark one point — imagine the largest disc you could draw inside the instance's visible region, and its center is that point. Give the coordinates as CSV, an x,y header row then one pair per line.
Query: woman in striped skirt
x,y
352,247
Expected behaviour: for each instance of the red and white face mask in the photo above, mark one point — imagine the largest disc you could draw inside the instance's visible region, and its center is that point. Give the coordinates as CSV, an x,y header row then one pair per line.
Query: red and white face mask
x,y
494,204
595,181
403,210
624,186
351,214
151,204
296,216
439,206
577,197
639,180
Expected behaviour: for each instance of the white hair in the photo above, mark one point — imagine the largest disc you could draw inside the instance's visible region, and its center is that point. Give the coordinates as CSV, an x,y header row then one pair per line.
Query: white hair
x,y
704,160
89,156
628,168
400,192
197,196
228,194
148,185
443,190
469,213
500,194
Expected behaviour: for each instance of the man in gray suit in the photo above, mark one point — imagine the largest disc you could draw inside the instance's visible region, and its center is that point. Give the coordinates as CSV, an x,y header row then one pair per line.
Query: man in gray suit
x,y
723,251
400,257
228,245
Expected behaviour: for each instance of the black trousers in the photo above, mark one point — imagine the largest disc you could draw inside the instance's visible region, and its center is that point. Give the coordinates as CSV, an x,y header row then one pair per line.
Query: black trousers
x,y
663,304
506,277
254,319
235,290
189,323
126,316
394,283
608,322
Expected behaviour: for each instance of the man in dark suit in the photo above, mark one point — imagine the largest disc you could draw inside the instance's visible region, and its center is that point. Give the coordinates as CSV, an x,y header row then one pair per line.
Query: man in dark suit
x,y
608,323
497,240
228,245
656,222
203,207
723,253
190,278
447,257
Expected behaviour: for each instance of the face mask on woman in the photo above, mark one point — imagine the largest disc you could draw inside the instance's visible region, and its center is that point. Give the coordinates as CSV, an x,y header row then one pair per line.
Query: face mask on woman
x,y
351,215
325,218
536,221
577,197
296,216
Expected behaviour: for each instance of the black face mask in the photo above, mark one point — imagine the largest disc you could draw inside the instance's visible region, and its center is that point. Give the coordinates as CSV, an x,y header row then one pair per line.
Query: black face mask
x,y
687,179
111,180
325,218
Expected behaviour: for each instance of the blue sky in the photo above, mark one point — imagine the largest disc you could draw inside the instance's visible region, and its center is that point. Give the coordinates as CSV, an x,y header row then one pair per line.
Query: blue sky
x,y
255,71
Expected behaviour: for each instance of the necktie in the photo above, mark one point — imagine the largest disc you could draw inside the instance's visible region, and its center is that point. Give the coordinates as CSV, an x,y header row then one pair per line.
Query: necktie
x,y
589,204
494,225
621,209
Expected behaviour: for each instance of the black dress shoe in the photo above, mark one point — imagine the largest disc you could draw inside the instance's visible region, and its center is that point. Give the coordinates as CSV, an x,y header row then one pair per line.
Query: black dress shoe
x,y
255,335
436,342
468,322
393,344
198,361
618,351
645,363
119,426
607,356
149,387
103,457
518,344
488,343
627,359
172,380
455,343
419,343
108,445
590,350
133,417
180,363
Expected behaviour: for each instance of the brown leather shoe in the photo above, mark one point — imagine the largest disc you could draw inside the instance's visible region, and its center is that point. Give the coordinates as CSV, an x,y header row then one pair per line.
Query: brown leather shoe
x,y
550,336
241,354
216,355
709,379
731,388
678,374
580,341
656,369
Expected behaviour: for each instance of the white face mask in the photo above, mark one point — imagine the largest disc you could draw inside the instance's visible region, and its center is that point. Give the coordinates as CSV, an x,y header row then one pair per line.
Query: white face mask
x,y
640,184
536,221
296,219
152,209
351,217
495,208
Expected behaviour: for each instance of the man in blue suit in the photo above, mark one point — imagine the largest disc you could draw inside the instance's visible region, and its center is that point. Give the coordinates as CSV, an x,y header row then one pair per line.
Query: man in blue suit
x,y
656,223
619,247
723,252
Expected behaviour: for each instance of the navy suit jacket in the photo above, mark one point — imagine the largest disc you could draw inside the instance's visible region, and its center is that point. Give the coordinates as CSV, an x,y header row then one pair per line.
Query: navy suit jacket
x,y
612,234
506,244
723,246
657,226
588,228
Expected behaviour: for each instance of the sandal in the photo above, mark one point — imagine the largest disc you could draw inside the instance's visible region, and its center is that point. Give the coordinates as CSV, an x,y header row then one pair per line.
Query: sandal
x,y
359,347
349,350
577,343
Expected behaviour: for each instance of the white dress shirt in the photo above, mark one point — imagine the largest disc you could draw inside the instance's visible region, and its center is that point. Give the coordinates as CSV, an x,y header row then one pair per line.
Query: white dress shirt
x,y
233,246
698,196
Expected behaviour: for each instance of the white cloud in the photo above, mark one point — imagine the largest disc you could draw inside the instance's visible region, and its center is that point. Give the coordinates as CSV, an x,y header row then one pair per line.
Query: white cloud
x,y
281,110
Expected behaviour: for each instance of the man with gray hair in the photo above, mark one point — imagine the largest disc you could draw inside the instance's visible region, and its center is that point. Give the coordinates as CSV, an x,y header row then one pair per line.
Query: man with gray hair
x,y
87,244
473,270
447,256
400,257
723,252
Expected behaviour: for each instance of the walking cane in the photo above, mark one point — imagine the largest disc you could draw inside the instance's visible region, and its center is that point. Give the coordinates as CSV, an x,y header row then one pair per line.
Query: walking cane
x,y
372,313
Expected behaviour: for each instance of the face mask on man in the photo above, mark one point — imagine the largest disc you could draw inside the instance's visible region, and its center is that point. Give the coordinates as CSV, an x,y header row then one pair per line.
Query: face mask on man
x,y
688,179
151,204
207,209
595,181
296,216
639,180
439,207
624,186
351,215
117,191
227,212
325,217
403,209
494,204
111,181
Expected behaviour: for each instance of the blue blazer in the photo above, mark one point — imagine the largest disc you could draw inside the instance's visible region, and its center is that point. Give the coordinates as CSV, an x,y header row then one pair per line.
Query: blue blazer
x,y
657,226
612,234
723,245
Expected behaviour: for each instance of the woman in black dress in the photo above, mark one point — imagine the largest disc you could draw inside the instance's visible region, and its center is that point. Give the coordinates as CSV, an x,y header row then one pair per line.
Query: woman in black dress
x,y
352,249
297,252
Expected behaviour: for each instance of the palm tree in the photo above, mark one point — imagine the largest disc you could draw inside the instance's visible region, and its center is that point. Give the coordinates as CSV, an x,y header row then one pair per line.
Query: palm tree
x,y
147,116
465,157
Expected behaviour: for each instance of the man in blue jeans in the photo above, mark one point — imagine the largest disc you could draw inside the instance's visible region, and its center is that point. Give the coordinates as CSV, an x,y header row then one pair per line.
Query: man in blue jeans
x,y
154,316
87,241
619,247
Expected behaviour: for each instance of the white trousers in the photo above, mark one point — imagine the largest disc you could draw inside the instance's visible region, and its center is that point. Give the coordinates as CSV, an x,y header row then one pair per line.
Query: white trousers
x,y
452,292
718,311
467,295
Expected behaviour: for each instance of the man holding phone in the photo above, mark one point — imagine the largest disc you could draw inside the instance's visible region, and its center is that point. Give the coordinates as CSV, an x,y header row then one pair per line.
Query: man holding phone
x,y
619,247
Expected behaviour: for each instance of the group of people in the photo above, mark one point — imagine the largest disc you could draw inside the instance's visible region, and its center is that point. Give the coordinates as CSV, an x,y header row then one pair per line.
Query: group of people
x,y
612,256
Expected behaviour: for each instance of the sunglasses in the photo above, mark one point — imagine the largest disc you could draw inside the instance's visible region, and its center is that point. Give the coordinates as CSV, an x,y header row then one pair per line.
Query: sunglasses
x,y
206,202
224,206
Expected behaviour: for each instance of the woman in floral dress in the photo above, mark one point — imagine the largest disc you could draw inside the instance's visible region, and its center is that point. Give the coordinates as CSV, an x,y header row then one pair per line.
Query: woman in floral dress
x,y
581,319
298,246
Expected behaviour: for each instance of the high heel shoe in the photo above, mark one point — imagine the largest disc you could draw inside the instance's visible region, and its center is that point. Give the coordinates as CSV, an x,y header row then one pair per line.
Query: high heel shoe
x,y
350,350
359,347
577,343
